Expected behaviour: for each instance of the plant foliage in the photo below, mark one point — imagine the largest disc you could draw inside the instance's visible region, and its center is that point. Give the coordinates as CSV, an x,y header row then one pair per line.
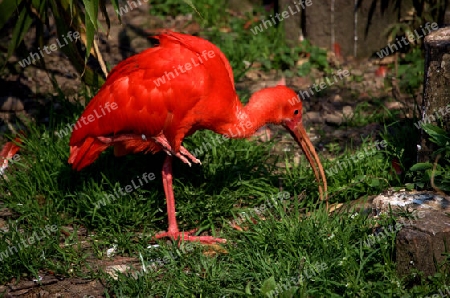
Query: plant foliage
x,y
67,15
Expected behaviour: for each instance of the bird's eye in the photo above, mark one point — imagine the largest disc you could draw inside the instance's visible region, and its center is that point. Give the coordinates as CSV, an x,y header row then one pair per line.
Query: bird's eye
x,y
295,112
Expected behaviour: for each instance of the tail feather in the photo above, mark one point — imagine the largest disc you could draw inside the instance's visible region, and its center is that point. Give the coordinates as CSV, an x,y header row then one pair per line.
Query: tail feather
x,y
135,146
85,154
9,150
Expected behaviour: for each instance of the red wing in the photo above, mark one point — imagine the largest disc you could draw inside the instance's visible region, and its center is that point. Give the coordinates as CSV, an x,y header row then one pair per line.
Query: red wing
x,y
132,101
198,45
181,85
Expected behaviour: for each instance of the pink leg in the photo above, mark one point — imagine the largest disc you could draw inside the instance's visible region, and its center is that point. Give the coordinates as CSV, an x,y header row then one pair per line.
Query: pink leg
x,y
170,199
173,231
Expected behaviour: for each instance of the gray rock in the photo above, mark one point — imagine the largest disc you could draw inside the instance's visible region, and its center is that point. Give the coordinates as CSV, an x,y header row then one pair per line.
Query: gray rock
x,y
10,103
334,119
393,105
339,134
6,116
347,111
421,241
337,99
356,72
327,107
313,117
419,245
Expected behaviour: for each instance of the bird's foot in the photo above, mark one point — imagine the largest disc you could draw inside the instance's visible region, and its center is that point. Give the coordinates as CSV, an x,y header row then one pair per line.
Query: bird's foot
x,y
183,154
186,236
188,154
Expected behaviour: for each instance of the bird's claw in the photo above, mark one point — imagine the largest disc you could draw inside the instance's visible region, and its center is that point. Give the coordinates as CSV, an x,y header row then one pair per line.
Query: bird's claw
x,y
183,154
188,154
186,236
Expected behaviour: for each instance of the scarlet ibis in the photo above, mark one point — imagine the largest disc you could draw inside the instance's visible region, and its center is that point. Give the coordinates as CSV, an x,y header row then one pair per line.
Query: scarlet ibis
x,y
153,100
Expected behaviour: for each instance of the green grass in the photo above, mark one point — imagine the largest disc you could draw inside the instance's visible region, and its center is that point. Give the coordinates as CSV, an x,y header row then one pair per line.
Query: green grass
x,y
238,181
375,112
240,45
236,176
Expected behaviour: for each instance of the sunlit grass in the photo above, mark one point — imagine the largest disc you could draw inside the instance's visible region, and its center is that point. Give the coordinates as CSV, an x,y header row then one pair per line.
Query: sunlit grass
x,y
287,247
279,242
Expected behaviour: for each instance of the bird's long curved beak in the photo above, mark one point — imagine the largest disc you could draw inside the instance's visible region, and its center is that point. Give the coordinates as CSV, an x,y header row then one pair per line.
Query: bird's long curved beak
x,y
299,134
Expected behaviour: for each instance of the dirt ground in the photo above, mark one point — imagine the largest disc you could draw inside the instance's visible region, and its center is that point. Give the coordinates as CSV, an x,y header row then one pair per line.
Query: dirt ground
x,y
26,90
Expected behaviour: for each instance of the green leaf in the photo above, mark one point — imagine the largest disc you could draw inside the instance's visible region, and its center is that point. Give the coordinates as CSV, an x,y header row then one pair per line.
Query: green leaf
x,y
268,285
7,8
71,7
189,2
444,187
91,22
20,29
409,186
43,11
289,293
89,76
437,135
374,183
115,4
248,289
420,184
41,7
105,13
91,7
90,30
421,166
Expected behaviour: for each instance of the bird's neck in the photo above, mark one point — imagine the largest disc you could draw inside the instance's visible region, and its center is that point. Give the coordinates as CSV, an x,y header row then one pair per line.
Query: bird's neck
x,y
245,121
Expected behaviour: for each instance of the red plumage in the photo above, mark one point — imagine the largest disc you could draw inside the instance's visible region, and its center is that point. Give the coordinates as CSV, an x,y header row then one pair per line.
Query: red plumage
x,y
153,100
9,150
176,108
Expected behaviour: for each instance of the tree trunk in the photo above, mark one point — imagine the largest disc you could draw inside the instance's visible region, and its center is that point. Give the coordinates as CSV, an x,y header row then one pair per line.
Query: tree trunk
x,y
292,23
436,97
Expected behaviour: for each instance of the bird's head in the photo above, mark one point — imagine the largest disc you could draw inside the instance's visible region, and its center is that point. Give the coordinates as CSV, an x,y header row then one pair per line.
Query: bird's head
x,y
283,106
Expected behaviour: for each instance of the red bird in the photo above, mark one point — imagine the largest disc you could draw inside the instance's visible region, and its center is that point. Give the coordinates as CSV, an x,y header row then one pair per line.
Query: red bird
x,y
153,100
